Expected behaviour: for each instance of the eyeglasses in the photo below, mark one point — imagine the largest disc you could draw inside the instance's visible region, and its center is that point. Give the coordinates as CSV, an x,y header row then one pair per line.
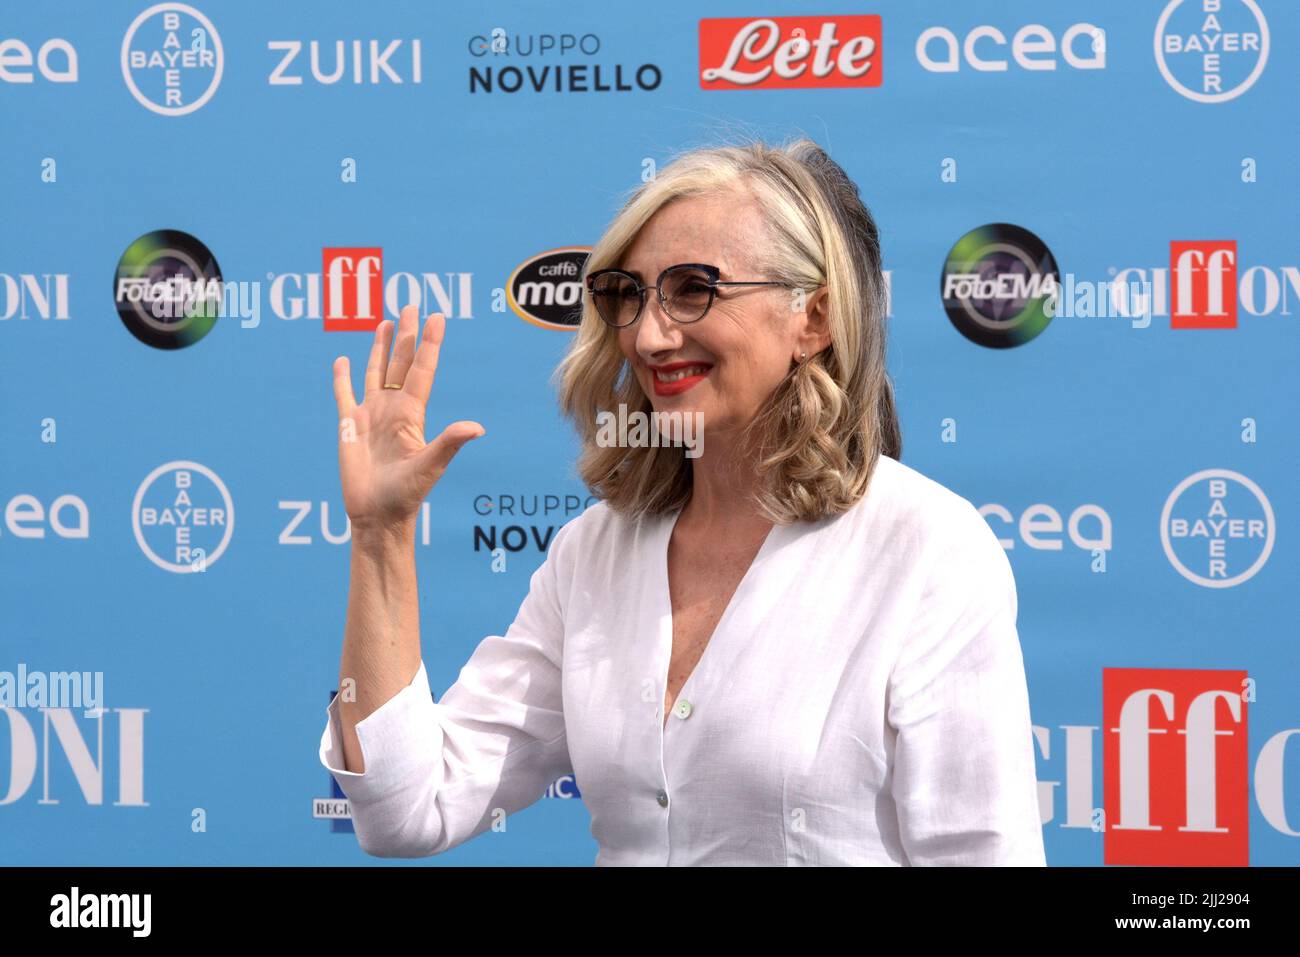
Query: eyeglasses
x,y
686,292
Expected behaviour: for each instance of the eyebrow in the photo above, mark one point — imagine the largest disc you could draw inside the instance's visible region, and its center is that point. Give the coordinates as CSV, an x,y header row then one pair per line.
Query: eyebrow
x,y
639,278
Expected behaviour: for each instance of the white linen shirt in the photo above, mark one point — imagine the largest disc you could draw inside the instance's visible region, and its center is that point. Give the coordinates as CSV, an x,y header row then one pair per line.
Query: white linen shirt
x,y
862,701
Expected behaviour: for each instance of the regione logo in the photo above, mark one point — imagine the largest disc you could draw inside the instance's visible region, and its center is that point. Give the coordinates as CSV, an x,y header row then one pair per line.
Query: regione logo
x,y
183,517
1217,528
1211,50
1175,767
1204,284
171,59
354,289
745,53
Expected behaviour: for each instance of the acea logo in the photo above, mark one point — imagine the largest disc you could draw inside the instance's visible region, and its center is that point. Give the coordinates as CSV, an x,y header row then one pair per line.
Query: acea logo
x,y
999,285
1033,47
1211,50
168,289
547,289
1217,528
183,517
54,60
171,59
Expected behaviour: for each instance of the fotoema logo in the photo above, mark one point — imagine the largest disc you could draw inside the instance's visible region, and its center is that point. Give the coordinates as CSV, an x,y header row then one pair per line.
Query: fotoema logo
x,y
167,76
1217,528
999,285
167,289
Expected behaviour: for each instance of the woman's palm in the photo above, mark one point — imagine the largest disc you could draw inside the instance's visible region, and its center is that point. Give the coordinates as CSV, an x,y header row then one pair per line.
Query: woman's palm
x,y
385,466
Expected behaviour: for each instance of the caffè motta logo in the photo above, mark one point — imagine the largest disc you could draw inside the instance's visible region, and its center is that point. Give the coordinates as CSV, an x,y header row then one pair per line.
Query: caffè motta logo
x,y
546,289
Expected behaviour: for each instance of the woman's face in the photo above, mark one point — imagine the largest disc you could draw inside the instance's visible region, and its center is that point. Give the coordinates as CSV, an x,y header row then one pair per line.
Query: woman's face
x,y
734,357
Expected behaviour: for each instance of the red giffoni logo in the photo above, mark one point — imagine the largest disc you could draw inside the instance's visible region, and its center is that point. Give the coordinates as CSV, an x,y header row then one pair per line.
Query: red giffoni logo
x,y
1175,767
1204,280
354,288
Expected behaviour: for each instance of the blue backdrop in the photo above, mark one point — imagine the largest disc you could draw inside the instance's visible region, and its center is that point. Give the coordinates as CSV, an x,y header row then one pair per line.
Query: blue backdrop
x,y
172,513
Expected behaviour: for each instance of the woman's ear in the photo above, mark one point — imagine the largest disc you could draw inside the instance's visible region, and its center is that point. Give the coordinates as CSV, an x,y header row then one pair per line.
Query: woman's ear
x,y
814,334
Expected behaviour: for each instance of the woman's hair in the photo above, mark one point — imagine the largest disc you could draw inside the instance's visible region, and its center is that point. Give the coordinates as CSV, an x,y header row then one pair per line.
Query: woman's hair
x,y
815,442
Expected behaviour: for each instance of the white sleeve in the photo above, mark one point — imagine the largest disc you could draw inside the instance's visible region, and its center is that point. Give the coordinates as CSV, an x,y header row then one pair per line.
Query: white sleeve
x,y
439,774
964,781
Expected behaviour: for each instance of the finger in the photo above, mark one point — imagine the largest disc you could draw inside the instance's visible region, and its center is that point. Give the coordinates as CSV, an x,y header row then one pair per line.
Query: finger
x,y
439,453
377,367
408,330
343,395
419,380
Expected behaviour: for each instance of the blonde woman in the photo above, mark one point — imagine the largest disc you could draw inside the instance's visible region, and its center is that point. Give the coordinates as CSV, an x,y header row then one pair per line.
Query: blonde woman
x,y
790,649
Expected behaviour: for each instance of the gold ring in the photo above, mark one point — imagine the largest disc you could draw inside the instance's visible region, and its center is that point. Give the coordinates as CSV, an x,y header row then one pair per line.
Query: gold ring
x,y
389,385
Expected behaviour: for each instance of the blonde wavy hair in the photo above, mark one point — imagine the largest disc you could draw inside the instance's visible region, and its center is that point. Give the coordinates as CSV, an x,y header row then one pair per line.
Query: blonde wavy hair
x,y
815,442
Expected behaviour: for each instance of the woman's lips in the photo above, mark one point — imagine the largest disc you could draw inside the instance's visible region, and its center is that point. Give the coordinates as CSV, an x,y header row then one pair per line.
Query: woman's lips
x,y
680,375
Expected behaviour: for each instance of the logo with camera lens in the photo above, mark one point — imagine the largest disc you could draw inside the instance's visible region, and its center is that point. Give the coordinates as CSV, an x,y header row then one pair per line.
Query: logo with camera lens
x,y
168,289
999,285
547,289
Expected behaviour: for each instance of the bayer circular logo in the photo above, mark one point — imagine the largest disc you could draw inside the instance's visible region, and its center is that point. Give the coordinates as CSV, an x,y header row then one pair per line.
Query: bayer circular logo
x,y
1217,528
1211,52
999,285
172,59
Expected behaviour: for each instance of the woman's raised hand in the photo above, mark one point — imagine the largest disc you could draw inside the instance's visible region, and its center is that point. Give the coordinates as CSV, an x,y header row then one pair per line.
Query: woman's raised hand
x,y
386,467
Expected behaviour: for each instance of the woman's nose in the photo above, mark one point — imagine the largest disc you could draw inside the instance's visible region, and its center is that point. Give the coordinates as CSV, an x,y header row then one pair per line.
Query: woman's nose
x,y
656,332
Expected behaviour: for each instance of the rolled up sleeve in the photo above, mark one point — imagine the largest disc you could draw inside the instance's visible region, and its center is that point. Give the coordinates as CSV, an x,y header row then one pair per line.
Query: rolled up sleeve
x,y
439,773
964,776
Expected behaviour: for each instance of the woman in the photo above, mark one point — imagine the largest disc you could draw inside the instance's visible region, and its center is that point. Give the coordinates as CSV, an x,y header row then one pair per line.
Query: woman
x,y
789,649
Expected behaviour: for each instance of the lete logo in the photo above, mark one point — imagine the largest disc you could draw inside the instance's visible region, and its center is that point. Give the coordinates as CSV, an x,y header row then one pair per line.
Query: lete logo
x,y
741,53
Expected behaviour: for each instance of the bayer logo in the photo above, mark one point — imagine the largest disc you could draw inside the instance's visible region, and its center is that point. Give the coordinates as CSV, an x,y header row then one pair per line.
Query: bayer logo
x,y
1217,528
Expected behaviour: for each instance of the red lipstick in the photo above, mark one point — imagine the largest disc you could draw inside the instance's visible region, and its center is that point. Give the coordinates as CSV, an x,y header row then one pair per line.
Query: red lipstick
x,y
677,386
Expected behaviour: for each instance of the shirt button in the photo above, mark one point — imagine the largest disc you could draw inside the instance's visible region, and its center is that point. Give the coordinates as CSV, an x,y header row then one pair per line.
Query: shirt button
x,y
683,709
662,797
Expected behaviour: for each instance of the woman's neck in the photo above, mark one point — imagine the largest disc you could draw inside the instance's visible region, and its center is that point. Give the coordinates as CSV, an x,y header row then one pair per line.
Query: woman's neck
x,y
722,489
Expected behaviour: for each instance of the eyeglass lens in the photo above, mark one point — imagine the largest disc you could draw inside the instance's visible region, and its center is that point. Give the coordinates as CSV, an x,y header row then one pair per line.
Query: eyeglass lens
x,y
686,291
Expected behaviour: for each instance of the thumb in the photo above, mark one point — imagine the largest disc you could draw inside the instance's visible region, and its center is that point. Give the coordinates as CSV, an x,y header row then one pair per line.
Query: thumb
x,y
437,455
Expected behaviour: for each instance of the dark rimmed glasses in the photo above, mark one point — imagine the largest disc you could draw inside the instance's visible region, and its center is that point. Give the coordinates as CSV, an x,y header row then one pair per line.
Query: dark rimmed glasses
x,y
686,292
